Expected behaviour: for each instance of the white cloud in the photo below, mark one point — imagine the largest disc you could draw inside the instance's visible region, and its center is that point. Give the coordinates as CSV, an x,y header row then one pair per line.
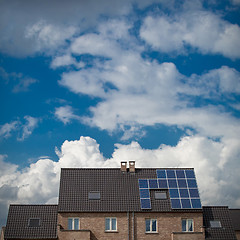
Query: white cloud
x,y
215,164
48,36
42,26
8,128
27,128
144,93
202,30
65,114
24,84
24,129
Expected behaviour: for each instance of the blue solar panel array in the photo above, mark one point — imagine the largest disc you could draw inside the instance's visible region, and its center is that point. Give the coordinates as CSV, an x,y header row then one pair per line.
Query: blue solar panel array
x,y
181,184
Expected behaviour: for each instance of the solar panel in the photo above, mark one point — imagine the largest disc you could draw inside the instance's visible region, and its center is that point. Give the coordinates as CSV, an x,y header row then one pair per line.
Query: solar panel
x,y
180,173
143,183
161,173
182,186
176,203
145,203
173,193
190,174
172,183
182,183
162,183
171,174
186,203
153,184
144,193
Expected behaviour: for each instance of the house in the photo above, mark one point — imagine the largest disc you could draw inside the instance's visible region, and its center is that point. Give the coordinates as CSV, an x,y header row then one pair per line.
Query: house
x,y
126,203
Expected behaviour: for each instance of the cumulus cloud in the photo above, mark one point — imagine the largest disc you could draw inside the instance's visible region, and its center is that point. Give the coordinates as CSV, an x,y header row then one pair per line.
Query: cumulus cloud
x,y
202,30
214,162
65,114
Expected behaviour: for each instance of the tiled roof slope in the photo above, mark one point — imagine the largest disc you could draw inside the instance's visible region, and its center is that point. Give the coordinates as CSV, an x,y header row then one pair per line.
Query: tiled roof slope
x,y
222,214
235,215
18,222
119,191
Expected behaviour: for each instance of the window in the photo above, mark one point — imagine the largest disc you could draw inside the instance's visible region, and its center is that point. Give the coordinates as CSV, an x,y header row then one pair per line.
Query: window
x,y
73,224
151,225
215,224
110,224
94,195
34,222
160,195
187,225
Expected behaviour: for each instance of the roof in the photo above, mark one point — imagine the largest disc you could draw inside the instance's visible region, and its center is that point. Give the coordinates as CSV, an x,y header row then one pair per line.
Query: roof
x,y
18,222
119,191
235,215
218,213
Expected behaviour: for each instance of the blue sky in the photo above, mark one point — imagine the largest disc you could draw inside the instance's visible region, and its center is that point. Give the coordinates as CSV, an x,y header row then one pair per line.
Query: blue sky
x,y
88,84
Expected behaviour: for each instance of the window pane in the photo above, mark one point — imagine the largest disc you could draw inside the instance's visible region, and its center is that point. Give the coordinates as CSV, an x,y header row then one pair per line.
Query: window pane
x,y
215,224
107,224
76,224
190,225
114,224
160,195
184,227
147,225
70,223
154,225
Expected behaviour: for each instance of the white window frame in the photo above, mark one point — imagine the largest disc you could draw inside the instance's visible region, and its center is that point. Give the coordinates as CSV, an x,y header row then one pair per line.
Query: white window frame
x,y
151,225
187,224
110,224
73,223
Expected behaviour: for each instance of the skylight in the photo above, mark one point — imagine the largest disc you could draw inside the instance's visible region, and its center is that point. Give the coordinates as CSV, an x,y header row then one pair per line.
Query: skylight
x,y
94,195
33,222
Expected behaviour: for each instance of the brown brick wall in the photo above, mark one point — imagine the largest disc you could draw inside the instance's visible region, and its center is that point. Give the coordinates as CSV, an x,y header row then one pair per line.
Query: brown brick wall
x,y
167,223
237,235
96,223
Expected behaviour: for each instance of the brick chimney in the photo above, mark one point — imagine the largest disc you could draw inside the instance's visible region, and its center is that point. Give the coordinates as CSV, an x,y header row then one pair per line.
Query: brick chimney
x,y
131,166
124,166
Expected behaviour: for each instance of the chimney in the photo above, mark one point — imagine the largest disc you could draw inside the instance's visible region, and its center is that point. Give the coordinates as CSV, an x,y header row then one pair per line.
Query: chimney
x,y
132,166
124,166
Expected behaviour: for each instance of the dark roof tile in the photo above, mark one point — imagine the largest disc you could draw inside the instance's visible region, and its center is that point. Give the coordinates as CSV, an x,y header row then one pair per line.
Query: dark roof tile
x,y
235,215
18,218
119,190
222,214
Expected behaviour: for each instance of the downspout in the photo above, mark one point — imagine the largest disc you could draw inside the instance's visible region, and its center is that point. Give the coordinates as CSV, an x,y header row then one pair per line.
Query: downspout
x,y
133,225
128,225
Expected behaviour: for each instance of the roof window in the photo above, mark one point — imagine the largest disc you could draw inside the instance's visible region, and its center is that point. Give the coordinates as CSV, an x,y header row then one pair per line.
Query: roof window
x,y
215,224
94,195
34,222
160,195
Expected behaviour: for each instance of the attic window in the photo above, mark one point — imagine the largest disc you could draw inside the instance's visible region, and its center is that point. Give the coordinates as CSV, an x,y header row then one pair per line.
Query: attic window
x,y
160,195
34,222
215,224
94,195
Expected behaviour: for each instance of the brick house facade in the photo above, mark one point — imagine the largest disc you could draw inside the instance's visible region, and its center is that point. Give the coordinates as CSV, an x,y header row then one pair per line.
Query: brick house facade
x,y
126,203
